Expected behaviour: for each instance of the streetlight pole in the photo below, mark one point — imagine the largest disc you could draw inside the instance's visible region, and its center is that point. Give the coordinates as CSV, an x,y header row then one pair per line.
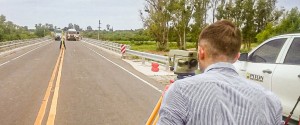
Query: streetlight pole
x,y
99,30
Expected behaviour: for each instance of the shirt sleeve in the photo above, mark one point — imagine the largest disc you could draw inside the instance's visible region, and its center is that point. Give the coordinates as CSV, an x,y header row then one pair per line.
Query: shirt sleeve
x,y
279,112
276,109
173,110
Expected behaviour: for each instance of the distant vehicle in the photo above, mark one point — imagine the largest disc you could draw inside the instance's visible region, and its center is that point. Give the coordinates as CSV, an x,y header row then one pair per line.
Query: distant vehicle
x,y
275,64
57,35
72,34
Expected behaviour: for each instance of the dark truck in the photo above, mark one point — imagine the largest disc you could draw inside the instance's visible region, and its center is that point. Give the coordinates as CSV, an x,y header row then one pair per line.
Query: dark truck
x,y
57,35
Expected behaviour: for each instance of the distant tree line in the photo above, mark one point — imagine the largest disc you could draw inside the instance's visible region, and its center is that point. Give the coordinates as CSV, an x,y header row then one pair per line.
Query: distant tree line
x,y
183,20
10,31
42,30
118,35
72,26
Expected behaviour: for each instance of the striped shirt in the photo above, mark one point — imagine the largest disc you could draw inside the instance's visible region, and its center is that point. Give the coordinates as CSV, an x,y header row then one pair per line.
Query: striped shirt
x,y
219,96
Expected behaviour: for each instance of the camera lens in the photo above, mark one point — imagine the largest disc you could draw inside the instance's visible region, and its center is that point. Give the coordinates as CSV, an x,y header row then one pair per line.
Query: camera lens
x,y
193,63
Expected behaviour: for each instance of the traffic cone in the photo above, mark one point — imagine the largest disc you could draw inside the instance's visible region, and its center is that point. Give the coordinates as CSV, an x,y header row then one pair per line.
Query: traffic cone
x,y
155,67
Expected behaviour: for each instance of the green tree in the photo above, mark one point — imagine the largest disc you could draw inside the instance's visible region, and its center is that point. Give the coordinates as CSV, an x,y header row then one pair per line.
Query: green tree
x,y
289,24
42,30
251,16
248,25
2,20
180,14
77,27
266,33
107,27
11,31
156,20
89,28
70,26
199,17
264,9
39,30
51,27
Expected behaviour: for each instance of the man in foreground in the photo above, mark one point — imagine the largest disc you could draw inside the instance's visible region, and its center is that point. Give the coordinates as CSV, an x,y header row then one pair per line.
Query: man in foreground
x,y
219,96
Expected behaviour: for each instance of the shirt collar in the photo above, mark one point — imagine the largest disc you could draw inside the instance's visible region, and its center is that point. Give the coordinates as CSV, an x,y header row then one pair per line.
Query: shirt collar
x,y
220,65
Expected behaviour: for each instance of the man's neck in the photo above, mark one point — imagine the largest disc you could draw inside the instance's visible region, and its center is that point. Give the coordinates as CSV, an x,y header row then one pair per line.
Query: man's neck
x,y
210,61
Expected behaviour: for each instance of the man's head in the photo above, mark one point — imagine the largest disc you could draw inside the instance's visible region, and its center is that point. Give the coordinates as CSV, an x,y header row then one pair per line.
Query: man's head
x,y
219,42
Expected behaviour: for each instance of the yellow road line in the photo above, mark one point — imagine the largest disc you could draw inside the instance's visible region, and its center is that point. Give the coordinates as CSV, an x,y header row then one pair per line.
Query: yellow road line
x,y
40,116
52,112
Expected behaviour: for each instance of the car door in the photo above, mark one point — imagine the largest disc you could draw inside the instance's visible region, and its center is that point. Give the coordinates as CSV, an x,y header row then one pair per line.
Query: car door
x,y
262,62
286,78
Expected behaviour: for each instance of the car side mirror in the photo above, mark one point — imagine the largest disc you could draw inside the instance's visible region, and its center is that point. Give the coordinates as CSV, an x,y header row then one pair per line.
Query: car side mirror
x,y
243,57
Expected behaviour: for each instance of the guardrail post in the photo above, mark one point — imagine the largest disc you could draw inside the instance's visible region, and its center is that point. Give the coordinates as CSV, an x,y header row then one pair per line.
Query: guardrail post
x,y
116,47
109,46
167,66
143,60
11,46
15,45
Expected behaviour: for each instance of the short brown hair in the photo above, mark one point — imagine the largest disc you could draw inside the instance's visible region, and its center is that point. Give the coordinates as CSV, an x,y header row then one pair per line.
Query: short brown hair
x,y
223,38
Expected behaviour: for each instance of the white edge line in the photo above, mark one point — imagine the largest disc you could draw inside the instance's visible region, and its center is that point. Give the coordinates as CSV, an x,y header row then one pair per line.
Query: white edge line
x,y
24,54
127,71
4,63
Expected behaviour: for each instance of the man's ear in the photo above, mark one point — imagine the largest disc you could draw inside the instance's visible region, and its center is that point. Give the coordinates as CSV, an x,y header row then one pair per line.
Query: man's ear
x,y
201,53
236,57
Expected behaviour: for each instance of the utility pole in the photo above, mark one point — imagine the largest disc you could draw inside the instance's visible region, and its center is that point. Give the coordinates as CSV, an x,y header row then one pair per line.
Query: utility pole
x,y
99,30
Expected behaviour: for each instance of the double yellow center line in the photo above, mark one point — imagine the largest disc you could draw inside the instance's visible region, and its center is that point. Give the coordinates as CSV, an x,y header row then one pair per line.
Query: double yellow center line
x,y
52,113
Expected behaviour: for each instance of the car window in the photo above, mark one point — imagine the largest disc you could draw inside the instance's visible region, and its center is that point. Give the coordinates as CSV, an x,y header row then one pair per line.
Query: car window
x,y
293,55
268,52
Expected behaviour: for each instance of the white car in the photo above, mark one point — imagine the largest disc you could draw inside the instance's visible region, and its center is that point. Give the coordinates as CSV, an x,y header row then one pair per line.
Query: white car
x,y
275,64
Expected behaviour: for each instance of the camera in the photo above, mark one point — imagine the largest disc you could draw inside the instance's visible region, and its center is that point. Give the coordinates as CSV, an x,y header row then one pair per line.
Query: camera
x,y
183,63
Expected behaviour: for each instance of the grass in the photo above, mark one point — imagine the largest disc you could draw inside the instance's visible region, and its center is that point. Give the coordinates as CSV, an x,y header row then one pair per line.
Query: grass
x,y
253,45
150,46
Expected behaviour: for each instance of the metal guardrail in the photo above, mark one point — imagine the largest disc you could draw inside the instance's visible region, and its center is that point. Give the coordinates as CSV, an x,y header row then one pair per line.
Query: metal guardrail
x,y
10,45
107,45
117,48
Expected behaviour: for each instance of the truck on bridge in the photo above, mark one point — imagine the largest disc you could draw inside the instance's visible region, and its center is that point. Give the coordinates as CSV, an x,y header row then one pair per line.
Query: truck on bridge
x,y
72,34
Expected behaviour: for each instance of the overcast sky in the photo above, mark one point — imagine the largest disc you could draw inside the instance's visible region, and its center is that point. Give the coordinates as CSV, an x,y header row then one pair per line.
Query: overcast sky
x,y
121,14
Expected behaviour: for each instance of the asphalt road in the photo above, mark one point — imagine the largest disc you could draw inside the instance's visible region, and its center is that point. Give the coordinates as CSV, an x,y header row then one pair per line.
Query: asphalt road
x,y
95,87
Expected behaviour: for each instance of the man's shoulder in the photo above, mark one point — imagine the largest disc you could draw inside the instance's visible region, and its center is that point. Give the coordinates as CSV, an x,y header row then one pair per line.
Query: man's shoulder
x,y
207,76
272,98
213,79
261,93
197,80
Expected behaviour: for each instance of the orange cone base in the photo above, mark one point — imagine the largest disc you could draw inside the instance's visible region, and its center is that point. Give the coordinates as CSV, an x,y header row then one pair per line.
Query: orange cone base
x,y
154,69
